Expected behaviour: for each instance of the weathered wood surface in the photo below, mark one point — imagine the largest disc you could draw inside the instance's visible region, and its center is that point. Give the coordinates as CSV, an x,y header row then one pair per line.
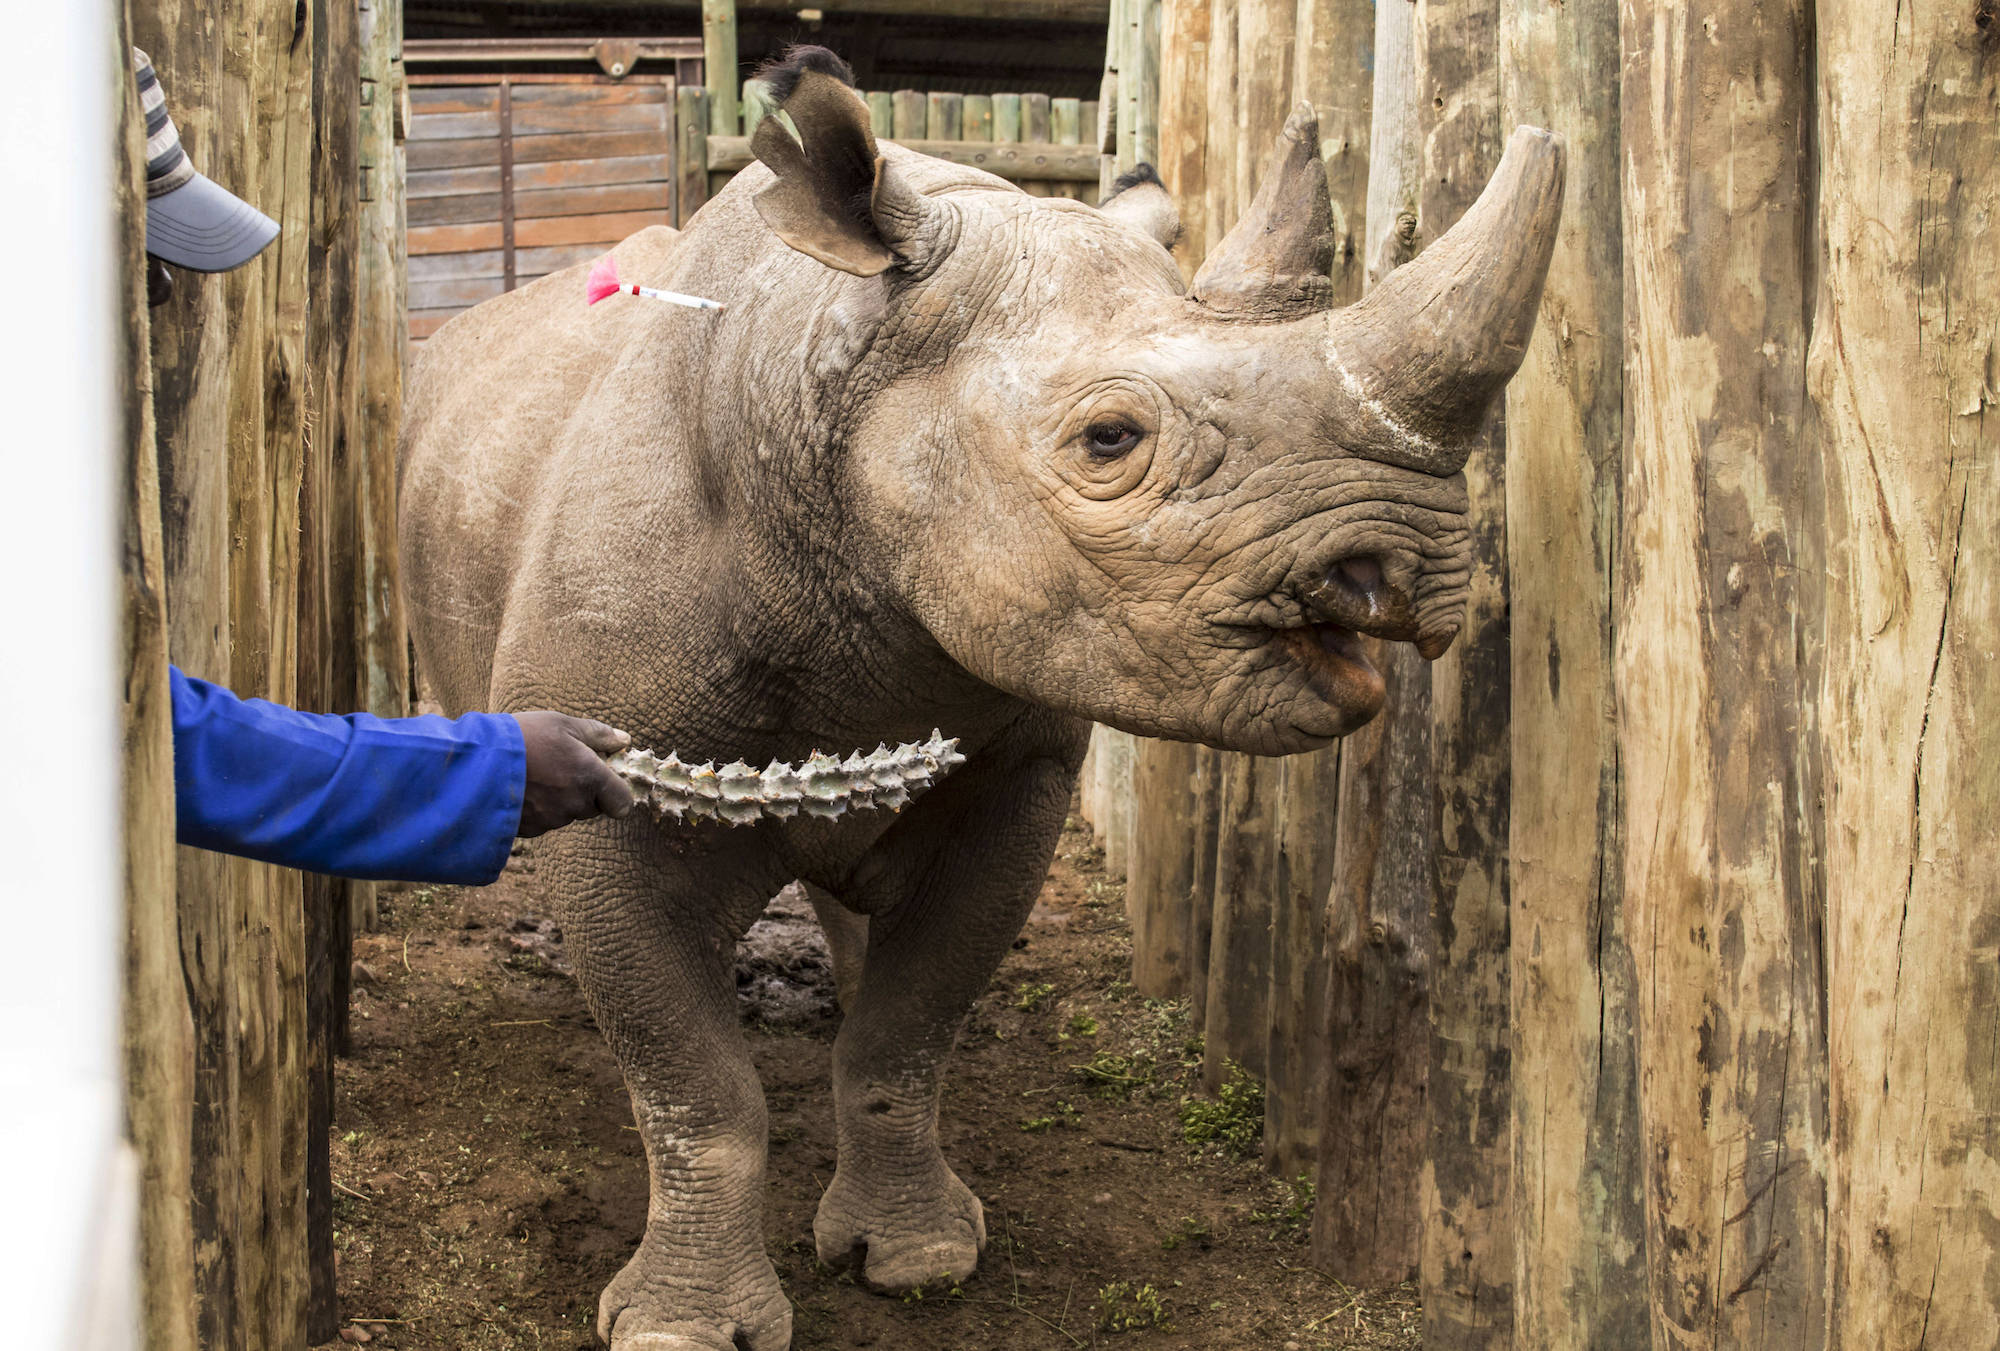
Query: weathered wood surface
x,y
1184,26
1366,1225
1237,1021
1296,1048
158,1031
1904,377
271,94
1578,1176
1719,592
719,63
1468,1259
1333,69
1159,883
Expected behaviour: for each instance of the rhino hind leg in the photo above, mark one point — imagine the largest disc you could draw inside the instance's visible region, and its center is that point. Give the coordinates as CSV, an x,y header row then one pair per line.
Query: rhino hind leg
x,y
652,953
946,892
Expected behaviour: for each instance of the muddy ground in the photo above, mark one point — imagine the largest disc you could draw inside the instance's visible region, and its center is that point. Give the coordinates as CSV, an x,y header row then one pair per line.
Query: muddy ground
x,y
489,1180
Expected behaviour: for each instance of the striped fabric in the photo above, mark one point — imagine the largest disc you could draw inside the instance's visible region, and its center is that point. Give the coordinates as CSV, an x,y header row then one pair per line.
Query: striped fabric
x,y
167,165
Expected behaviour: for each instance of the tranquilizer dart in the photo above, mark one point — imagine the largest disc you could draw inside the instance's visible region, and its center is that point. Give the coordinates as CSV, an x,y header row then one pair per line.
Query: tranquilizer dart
x,y
603,281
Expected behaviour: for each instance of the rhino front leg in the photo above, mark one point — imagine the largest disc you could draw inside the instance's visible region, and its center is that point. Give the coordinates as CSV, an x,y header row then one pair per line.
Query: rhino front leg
x,y
948,891
652,953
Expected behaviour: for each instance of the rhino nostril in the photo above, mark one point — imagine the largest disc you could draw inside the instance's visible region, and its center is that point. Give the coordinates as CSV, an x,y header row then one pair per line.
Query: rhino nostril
x,y
1362,577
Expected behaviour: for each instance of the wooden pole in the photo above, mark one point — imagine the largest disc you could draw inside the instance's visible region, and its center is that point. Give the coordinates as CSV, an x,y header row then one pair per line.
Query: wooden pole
x,y
1579,1183
691,154
1160,884
1367,1224
1905,382
158,1028
1184,122
1719,568
1239,946
719,65
190,361
1297,1052
1468,1260
385,684
912,115
978,117
947,116
1333,61
882,112
1367,1228
1006,117
1224,132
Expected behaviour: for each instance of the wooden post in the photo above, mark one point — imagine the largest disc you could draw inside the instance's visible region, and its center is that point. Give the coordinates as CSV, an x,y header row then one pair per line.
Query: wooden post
x,y
978,115
190,358
691,164
1034,117
882,112
1141,80
1298,1053
1006,117
1905,380
1119,765
1578,1179
385,689
719,62
1720,593
1334,57
1239,945
1468,1261
330,542
1367,1225
946,113
1184,122
912,115
1264,33
1066,121
1159,887
1225,134
158,1028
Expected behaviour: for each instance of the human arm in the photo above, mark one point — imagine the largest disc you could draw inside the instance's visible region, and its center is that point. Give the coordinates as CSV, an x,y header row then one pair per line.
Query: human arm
x,y
424,799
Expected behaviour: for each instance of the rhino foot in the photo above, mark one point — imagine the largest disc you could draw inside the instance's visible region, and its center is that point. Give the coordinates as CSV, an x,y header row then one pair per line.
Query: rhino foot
x,y
902,1241
741,1311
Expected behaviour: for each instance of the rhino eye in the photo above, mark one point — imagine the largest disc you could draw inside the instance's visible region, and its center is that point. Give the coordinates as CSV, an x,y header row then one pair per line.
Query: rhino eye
x,y
1109,440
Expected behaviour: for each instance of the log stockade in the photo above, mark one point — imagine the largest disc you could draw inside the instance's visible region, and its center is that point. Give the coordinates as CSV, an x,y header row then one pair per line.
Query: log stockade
x,y
1612,928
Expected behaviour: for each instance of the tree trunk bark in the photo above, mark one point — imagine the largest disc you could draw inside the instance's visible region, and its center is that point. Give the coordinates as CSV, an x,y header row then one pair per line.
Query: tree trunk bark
x,y
1905,381
1715,666
1579,1194
1468,1261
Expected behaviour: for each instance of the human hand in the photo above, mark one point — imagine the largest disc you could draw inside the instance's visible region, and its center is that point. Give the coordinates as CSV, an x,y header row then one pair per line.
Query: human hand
x,y
567,777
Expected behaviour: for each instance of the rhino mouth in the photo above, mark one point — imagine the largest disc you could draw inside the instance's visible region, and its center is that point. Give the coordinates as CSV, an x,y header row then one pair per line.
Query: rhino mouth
x,y
1350,599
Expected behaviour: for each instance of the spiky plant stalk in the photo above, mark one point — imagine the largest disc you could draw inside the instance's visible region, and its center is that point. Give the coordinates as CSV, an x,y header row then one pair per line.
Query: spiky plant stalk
x,y
824,786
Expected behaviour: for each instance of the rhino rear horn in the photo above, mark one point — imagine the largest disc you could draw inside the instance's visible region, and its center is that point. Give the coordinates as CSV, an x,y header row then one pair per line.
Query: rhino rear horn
x,y
1276,261
834,197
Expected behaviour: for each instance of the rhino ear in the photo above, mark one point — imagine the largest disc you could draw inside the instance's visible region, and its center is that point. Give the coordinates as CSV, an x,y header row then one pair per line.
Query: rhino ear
x,y
835,198
1143,202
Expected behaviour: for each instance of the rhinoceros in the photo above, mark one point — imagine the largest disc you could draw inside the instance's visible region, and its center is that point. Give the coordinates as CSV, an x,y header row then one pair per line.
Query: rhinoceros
x,y
952,457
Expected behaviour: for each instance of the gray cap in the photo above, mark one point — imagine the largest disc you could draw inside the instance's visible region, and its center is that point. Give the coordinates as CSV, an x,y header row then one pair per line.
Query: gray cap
x,y
190,221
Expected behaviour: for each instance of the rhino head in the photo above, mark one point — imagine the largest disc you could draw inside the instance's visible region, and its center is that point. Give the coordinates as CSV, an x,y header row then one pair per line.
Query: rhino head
x,y
1174,509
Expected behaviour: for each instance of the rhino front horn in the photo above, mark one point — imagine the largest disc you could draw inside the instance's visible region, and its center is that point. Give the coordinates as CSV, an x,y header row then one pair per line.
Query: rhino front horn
x,y
1275,261
1426,352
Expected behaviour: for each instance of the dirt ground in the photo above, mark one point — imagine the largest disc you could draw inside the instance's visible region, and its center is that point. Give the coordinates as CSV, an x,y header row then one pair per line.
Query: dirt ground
x,y
489,1180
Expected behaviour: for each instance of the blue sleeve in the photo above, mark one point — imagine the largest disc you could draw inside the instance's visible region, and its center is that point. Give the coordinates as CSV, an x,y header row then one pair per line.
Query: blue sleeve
x,y
409,799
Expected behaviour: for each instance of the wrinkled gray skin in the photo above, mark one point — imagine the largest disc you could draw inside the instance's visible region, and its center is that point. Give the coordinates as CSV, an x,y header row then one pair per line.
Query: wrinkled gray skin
x,y
844,511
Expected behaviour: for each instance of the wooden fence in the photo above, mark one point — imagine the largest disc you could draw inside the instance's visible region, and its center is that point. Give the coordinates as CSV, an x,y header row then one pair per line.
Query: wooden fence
x,y
1646,942
259,553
